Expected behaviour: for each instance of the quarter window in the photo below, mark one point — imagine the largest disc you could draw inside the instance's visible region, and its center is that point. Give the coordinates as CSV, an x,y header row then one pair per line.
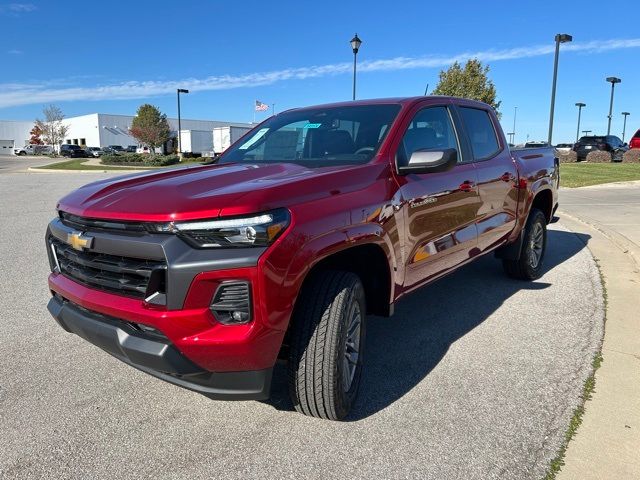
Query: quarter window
x,y
482,135
430,129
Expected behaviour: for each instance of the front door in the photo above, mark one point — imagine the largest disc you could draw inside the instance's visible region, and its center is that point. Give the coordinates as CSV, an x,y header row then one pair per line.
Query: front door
x,y
440,209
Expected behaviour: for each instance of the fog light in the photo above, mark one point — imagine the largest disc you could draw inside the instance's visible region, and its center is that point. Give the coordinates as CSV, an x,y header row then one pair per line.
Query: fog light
x,y
231,304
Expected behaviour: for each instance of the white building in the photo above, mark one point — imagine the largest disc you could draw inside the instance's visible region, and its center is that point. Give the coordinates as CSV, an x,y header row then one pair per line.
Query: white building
x,y
96,130
13,133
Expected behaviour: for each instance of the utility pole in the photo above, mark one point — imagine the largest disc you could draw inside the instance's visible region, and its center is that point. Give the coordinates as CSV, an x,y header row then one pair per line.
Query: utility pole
x,y
579,105
560,38
613,81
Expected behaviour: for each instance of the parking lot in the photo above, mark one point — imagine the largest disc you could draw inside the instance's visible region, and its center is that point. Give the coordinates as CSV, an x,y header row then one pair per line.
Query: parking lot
x,y
475,376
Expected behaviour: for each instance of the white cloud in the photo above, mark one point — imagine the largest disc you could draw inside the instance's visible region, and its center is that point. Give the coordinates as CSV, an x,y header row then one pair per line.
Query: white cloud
x,y
21,7
23,94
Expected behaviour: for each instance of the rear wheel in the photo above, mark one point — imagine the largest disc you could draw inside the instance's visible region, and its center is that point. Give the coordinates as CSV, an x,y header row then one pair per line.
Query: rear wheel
x,y
529,265
325,362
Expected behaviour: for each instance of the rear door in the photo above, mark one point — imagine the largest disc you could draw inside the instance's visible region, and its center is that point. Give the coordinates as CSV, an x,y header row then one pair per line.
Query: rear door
x,y
439,209
497,176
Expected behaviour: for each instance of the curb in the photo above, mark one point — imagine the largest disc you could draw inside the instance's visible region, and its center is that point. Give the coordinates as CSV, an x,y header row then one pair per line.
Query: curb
x,y
54,170
606,441
623,243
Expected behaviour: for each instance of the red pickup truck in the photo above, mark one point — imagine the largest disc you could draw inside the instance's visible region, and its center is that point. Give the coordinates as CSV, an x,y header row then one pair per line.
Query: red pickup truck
x,y
205,276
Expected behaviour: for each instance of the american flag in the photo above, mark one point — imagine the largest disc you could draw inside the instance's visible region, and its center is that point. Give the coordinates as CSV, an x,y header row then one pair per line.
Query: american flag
x,y
261,107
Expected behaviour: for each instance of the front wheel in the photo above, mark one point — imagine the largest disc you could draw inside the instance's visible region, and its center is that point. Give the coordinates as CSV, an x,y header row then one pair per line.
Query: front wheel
x,y
529,265
327,345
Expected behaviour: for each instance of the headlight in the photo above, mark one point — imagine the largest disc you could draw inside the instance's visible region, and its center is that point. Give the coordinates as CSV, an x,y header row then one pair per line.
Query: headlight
x,y
255,231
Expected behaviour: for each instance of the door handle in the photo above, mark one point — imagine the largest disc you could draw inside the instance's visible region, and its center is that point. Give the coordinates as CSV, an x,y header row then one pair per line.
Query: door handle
x,y
506,177
466,186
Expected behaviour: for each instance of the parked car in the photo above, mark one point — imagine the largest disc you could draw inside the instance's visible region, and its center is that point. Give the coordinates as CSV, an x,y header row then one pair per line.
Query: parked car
x,y
93,151
131,149
537,145
205,277
72,151
564,147
635,140
605,143
145,149
33,150
116,148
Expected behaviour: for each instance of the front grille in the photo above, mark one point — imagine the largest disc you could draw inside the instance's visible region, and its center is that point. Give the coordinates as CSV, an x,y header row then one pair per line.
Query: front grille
x,y
84,223
127,276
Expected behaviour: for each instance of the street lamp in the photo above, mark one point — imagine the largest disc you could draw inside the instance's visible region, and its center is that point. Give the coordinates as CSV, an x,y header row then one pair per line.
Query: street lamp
x,y
515,114
624,128
586,132
180,90
355,46
613,81
560,38
579,105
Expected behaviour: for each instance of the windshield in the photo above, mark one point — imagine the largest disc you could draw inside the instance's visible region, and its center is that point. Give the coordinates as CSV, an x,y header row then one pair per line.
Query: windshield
x,y
317,137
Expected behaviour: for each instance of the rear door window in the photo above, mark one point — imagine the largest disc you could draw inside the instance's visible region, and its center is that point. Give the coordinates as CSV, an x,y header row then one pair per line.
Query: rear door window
x,y
481,133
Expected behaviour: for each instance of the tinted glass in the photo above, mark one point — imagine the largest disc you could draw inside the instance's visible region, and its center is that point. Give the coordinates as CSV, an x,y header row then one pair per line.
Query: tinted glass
x,y
430,129
317,137
482,135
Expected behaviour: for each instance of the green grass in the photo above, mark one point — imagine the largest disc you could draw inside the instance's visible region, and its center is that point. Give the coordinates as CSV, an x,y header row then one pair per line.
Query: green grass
x,y
78,164
584,174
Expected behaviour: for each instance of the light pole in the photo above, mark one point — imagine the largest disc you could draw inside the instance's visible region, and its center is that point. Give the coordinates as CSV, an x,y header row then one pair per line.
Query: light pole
x,y
624,127
579,105
515,114
560,38
613,81
180,90
355,46
510,135
586,132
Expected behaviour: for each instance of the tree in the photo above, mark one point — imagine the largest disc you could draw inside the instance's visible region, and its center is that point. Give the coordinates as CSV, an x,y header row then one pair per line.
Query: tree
x,y
52,128
36,133
468,82
150,127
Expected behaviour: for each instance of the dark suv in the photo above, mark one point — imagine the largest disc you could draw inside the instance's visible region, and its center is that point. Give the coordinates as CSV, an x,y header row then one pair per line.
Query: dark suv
x,y
72,151
605,143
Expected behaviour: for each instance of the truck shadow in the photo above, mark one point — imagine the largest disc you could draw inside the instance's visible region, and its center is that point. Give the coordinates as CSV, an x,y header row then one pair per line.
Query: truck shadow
x,y
403,350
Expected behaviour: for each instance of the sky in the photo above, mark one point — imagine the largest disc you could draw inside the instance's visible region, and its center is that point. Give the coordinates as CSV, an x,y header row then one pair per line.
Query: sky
x,y
110,57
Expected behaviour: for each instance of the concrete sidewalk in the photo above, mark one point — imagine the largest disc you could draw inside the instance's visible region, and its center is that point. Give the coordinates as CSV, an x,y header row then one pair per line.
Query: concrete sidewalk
x,y
607,444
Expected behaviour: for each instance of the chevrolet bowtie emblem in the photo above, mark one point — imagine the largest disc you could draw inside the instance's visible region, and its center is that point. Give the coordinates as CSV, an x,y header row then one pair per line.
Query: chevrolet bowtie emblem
x,y
79,241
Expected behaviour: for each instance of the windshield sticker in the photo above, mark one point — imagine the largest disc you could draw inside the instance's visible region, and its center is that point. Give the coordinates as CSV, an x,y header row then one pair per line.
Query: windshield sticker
x,y
312,125
258,135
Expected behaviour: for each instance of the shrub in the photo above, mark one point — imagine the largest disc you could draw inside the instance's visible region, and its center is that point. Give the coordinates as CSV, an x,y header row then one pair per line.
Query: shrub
x,y
160,160
632,156
599,157
568,157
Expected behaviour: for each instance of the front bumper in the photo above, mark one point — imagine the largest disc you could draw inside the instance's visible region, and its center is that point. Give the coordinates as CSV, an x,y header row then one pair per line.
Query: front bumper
x,y
153,353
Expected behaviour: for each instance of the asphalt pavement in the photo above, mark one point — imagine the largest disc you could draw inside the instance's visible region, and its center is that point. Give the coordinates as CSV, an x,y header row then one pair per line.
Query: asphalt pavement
x,y
475,377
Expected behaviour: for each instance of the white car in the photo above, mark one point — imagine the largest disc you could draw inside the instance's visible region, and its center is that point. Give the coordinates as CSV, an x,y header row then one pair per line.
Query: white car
x,y
564,147
33,150
94,151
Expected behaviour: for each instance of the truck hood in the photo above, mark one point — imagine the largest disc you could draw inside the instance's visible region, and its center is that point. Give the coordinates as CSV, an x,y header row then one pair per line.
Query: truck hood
x,y
211,190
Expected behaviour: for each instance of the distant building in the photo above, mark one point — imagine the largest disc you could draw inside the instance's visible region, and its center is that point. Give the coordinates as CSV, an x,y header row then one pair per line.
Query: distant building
x,y
97,130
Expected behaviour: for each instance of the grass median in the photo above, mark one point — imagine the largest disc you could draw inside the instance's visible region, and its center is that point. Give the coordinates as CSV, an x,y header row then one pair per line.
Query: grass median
x,y
584,174
78,164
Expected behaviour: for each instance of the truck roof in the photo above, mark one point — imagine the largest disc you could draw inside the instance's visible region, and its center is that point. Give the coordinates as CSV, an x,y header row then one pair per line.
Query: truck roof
x,y
390,100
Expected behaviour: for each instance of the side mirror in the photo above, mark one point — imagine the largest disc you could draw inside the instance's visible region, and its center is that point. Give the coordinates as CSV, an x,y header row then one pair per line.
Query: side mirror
x,y
430,161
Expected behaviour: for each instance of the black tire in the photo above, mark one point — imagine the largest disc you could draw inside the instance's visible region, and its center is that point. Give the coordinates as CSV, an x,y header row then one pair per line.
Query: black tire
x,y
617,156
529,265
321,382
